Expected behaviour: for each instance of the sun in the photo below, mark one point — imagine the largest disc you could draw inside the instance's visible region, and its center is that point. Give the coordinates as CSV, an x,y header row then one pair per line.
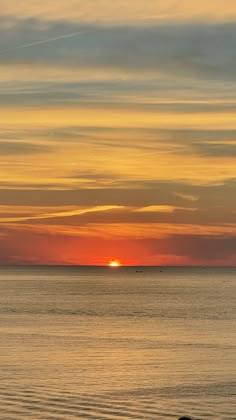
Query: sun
x,y
114,263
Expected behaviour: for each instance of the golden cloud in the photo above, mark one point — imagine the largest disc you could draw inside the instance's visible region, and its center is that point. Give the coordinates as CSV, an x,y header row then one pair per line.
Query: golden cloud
x,y
121,11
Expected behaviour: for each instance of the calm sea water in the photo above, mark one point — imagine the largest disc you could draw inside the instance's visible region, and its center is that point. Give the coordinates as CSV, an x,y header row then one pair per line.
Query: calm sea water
x,y
108,343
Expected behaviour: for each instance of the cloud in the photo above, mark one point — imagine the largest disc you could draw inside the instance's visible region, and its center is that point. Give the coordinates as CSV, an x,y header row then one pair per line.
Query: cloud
x,y
117,230
220,150
100,214
155,95
22,148
202,248
115,118
135,137
163,209
14,185
197,51
187,197
105,11
144,193
55,215
109,140
163,203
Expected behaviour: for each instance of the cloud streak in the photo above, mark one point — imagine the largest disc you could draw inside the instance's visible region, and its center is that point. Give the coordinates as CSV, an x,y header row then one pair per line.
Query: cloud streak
x,y
60,214
8,148
45,41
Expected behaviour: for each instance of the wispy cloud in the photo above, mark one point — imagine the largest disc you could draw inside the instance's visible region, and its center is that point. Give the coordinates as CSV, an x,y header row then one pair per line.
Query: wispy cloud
x,y
187,197
163,209
126,230
22,148
59,214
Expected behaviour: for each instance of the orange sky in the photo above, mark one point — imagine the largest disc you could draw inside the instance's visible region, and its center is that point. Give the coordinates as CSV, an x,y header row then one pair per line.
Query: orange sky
x,y
118,132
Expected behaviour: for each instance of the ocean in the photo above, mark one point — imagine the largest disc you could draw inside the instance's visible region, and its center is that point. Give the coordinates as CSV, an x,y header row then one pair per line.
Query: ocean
x,y
117,343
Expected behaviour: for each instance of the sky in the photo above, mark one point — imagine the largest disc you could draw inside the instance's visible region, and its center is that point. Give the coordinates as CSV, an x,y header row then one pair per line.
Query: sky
x,y
118,132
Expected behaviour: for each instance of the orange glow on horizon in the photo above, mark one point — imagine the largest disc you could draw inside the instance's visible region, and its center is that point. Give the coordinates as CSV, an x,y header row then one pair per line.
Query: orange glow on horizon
x,y
114,263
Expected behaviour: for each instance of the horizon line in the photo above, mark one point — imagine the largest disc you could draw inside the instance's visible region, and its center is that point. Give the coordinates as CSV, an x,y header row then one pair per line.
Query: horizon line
x,y
114,268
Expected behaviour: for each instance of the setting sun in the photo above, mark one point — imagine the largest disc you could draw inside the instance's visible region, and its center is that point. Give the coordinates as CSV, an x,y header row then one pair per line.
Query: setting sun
x,y
114,263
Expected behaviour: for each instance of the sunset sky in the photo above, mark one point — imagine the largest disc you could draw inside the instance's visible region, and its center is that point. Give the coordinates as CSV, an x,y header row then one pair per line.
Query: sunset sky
x,y
118,132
